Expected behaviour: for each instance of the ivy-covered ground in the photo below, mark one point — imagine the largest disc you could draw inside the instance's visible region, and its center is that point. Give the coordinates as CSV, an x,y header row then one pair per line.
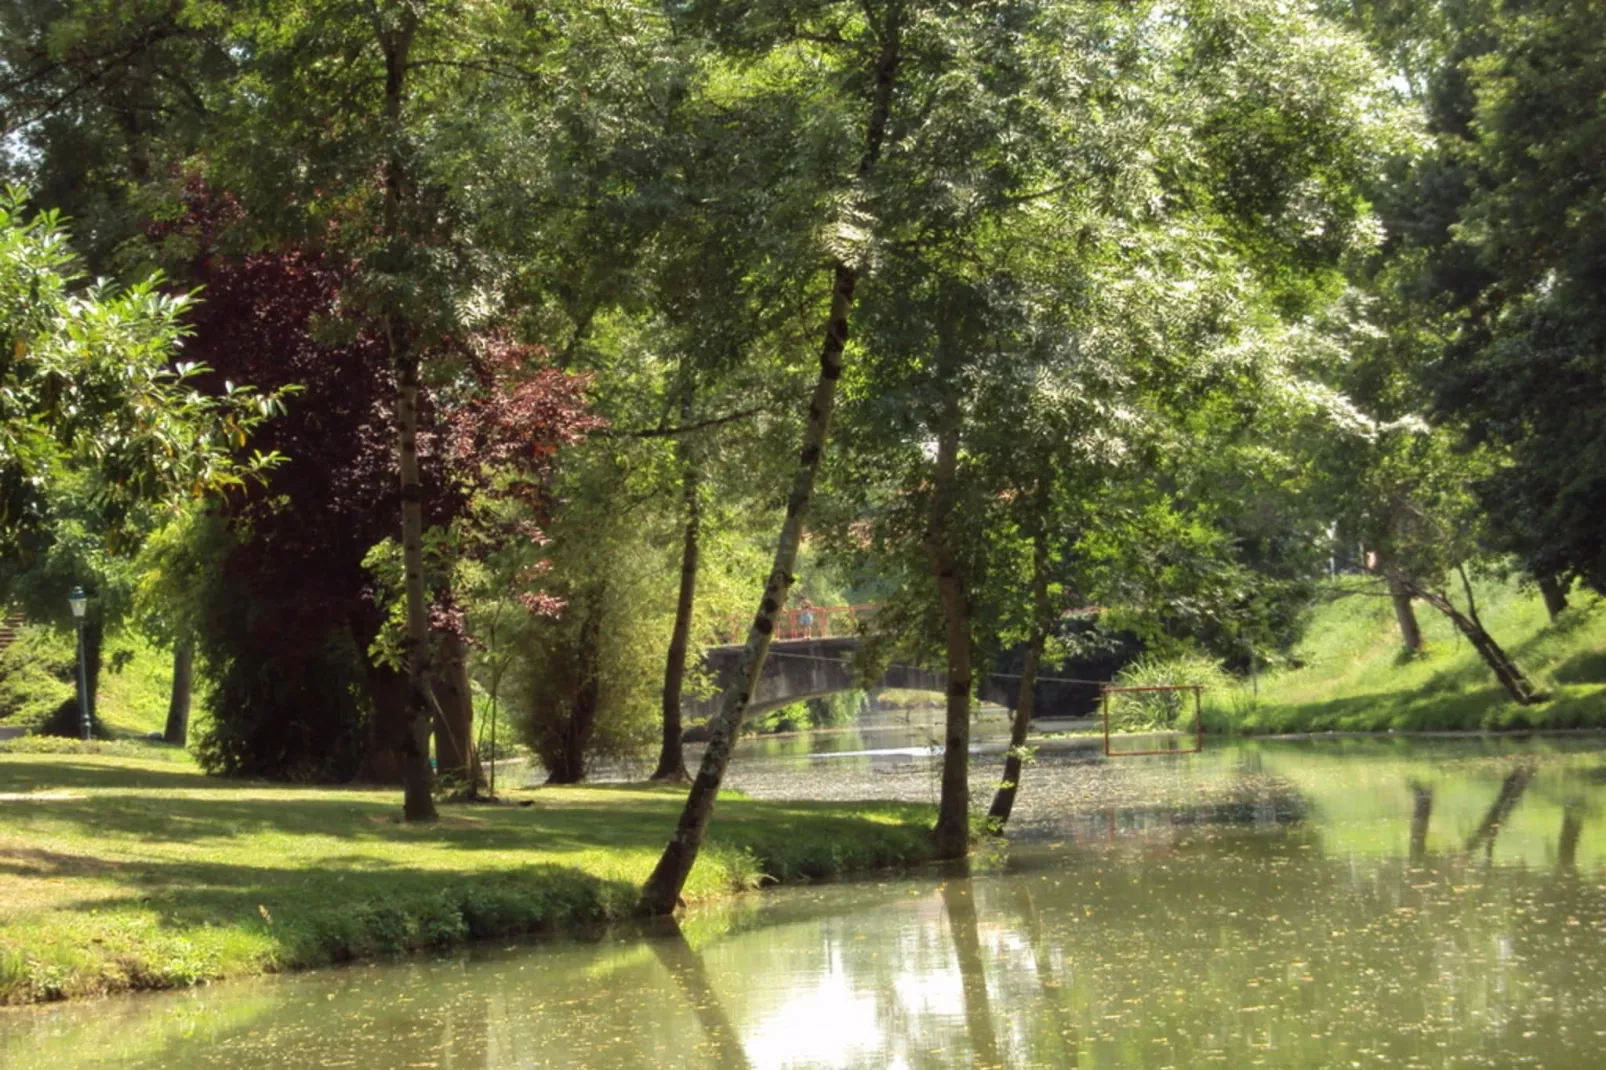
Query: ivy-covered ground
x,y
1353,677
121,870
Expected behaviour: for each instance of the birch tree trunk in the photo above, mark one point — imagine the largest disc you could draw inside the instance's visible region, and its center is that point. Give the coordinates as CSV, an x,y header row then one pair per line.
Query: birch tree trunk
x,y
662,890
418,799
671,757
177,731
952,834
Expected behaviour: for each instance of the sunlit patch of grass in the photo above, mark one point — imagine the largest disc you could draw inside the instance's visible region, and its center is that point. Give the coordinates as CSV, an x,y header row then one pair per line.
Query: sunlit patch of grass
x,y
120,872
1354,677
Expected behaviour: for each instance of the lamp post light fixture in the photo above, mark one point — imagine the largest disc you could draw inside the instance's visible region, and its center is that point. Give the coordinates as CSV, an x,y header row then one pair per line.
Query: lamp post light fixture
x,y
79,602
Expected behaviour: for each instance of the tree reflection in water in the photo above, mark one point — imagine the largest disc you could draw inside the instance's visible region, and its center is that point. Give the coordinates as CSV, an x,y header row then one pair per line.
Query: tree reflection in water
x,y
958,900
685,965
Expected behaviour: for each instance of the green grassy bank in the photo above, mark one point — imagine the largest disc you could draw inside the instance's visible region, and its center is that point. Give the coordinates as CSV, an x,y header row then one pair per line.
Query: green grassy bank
x,y
120,870
1354,678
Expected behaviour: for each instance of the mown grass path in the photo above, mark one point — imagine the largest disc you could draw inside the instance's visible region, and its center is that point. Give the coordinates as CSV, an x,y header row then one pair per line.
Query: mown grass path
x,y
122,872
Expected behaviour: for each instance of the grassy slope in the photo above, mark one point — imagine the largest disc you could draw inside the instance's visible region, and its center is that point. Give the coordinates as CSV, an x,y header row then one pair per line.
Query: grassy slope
x,y
142,873
1355,680
133,697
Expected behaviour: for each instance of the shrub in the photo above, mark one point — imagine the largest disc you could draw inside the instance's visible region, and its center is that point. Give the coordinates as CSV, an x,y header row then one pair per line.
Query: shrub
x,y
1162,710
36,676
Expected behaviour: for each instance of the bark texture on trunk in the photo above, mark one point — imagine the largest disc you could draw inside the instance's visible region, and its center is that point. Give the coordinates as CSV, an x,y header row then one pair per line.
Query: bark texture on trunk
x,y
952,834
568,763
455,753
1517,685
387,724
671,757
177,731
1555,595
418,798
1405,613
1026,705
661,893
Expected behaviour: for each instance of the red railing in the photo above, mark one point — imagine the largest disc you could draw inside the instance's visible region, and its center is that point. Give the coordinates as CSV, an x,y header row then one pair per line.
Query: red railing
x,y
806,622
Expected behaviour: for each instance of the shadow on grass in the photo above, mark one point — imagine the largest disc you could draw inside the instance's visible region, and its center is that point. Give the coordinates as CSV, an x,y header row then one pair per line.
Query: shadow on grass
x,y
19,774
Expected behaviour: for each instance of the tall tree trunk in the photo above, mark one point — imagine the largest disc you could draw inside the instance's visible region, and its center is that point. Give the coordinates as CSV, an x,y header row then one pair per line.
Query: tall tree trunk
x,y
455,753
952,834
177,731
418,799
1554,593
662,890
1025,706
387,726
671,757
569,764
1505,670
1410,630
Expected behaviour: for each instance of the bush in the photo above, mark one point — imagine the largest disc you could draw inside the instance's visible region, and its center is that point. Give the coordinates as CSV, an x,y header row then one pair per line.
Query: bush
x,y
1164,711
37,676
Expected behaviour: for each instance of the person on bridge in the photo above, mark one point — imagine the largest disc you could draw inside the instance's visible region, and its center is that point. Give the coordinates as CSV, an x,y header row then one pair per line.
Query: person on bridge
x,y
805,619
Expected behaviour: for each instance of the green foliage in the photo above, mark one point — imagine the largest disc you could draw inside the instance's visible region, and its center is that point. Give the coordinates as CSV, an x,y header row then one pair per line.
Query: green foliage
x,y
1163,711
39,683
842,708
38,675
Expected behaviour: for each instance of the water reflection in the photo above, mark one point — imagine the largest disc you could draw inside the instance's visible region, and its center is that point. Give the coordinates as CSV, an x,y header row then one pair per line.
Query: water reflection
x,y
1281,906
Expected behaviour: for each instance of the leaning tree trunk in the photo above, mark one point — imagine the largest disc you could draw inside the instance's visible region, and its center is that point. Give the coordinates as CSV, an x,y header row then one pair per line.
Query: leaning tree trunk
x,y
671,757
418,798
177,731
662,890
455,754
1026,705
952,834
1521,690
1554,593
1410,630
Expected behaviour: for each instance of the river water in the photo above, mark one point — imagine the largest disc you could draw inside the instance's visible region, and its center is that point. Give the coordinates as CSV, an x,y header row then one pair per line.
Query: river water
x,y
1321,904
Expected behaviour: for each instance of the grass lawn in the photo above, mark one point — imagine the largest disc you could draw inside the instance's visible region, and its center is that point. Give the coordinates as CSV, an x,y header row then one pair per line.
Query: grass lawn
x,y
1355,679
123,870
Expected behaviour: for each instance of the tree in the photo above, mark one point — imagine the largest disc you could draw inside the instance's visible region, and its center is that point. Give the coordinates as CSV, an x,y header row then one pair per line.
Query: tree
x,y
876,50
1114,288
102,428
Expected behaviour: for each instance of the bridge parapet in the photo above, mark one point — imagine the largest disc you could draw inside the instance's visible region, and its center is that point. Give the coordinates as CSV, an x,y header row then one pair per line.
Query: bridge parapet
x,y
806,622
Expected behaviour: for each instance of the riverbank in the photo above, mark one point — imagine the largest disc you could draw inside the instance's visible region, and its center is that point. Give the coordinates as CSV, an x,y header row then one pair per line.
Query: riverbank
x,y
1353,676
122,871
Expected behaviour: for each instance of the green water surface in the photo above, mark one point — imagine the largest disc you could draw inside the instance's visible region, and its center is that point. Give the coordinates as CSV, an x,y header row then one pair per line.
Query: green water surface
x,y
1287,905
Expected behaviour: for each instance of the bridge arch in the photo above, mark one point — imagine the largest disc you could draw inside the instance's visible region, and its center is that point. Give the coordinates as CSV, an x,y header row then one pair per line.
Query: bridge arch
x,y
801,669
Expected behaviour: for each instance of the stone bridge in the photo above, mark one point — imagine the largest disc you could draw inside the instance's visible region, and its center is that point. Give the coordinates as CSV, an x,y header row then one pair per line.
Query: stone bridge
x,y
799,669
